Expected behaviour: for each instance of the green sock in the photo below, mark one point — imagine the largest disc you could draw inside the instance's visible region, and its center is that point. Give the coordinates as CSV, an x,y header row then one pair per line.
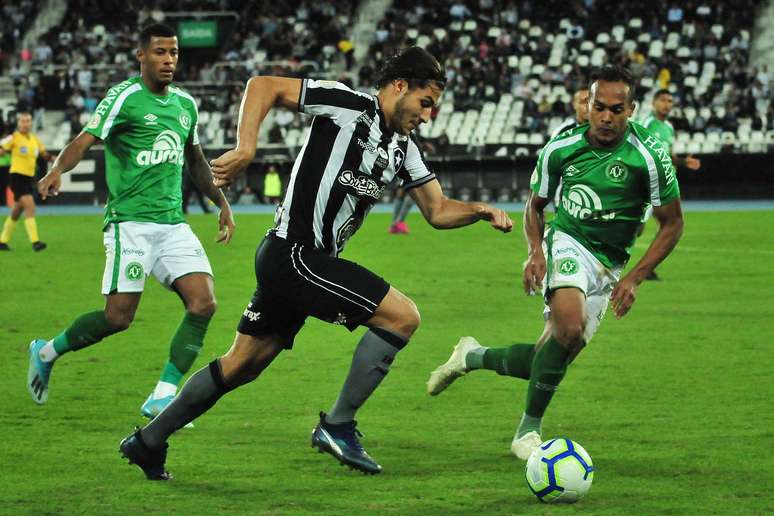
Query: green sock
x,y
548,368
186,344
171,374
515,360
86,330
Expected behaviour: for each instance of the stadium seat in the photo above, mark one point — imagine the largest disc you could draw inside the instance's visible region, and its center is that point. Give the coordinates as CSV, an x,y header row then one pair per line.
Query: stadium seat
x,y
656,49
603,38
635,23
494,32
619,33
469,25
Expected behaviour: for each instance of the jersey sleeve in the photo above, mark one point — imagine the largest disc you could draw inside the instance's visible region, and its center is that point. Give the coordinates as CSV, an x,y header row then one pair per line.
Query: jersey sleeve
x,y
110,113
193,136
545,178
331,99
662,187
414,171
7,142
41,147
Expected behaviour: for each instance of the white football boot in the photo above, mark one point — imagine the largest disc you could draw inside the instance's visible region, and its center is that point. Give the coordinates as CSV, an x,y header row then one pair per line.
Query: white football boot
x,y
523,446
444,375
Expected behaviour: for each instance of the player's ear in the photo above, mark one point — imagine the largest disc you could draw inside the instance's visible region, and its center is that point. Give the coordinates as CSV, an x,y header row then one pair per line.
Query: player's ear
x,y
139,54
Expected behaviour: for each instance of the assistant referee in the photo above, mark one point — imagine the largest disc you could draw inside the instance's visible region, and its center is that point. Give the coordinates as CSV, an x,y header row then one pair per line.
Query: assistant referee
x,y
24,147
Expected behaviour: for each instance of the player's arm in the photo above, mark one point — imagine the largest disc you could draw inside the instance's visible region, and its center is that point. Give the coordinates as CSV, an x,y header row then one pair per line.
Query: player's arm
x,y
70,156
543,183
534,228
670,219
261,94
201,175
444,213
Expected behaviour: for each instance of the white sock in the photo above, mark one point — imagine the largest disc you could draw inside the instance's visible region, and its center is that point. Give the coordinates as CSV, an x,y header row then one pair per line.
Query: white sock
x,y
164,389
47,353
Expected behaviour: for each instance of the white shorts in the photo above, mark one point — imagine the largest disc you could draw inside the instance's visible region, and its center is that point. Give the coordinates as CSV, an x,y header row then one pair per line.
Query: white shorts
x,y
134,250
569,264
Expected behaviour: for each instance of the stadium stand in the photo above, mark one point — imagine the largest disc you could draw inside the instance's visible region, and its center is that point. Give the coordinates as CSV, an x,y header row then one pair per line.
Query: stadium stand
x,y
512,65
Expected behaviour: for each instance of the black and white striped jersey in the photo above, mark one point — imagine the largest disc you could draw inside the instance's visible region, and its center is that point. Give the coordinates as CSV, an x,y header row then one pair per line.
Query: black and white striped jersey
x,y
348,159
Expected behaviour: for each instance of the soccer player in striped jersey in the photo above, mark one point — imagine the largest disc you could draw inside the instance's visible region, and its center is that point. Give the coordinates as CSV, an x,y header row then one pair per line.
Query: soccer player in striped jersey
x,y
149,129
611,169
357,144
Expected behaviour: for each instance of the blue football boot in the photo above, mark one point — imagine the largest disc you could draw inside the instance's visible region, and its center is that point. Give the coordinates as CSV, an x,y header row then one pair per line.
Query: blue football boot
x,y
153,407
38,373
342,442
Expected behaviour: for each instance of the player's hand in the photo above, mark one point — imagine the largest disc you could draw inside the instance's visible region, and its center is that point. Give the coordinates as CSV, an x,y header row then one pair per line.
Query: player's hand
x,y
229,165
623,296
692,163
50,184
499,219
534,271
226,224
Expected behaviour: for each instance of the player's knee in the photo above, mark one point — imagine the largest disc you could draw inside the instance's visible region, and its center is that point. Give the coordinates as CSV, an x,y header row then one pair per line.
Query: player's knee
x,y
120,321
570,336
203,307
409,319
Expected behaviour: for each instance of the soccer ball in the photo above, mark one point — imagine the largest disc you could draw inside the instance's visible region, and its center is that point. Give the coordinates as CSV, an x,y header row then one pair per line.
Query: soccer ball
x,y
559,471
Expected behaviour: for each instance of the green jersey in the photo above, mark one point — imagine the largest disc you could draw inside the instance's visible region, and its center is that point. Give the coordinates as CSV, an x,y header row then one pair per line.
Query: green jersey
x,y
662,129
605,192
144,136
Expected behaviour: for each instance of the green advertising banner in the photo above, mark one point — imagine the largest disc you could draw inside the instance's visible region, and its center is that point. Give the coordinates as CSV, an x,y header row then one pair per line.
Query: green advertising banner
x,y
200,34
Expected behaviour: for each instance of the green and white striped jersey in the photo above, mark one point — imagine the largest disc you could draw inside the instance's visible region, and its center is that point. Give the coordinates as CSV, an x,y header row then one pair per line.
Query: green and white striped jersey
x,y
144,136
662,129
605,191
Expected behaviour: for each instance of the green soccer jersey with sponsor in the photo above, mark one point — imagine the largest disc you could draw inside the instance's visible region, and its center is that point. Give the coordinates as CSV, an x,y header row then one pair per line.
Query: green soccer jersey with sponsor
x,y
605,192
662,129
144,136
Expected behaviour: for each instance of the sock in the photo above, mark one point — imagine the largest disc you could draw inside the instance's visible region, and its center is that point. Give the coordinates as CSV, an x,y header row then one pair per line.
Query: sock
x,y
86,330
529,424
370,364
548,368
170,379
515,360
396,208
405,207
48,353
202,390
32,229
8,228
185,346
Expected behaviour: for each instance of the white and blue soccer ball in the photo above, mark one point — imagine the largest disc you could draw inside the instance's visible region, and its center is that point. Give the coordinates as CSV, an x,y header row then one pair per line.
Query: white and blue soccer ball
x,y
560,471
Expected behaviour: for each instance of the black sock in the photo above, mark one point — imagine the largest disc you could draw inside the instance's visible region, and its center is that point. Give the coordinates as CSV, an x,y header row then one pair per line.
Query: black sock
x,y
370,365
202,390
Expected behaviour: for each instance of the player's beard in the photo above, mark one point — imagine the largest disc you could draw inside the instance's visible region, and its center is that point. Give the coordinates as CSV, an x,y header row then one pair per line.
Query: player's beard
x,y
400,117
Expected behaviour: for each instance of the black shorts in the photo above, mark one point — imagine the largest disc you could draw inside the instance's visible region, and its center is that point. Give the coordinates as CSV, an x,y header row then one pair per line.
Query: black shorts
x,y
21,185
295,281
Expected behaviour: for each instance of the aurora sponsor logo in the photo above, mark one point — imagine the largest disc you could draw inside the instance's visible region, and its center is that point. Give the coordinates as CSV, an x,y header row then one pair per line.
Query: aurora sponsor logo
x,y
583,203
167,148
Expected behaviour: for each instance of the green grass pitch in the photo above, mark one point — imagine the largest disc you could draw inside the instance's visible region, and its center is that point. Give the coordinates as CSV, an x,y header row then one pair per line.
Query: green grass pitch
x,y
674,402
